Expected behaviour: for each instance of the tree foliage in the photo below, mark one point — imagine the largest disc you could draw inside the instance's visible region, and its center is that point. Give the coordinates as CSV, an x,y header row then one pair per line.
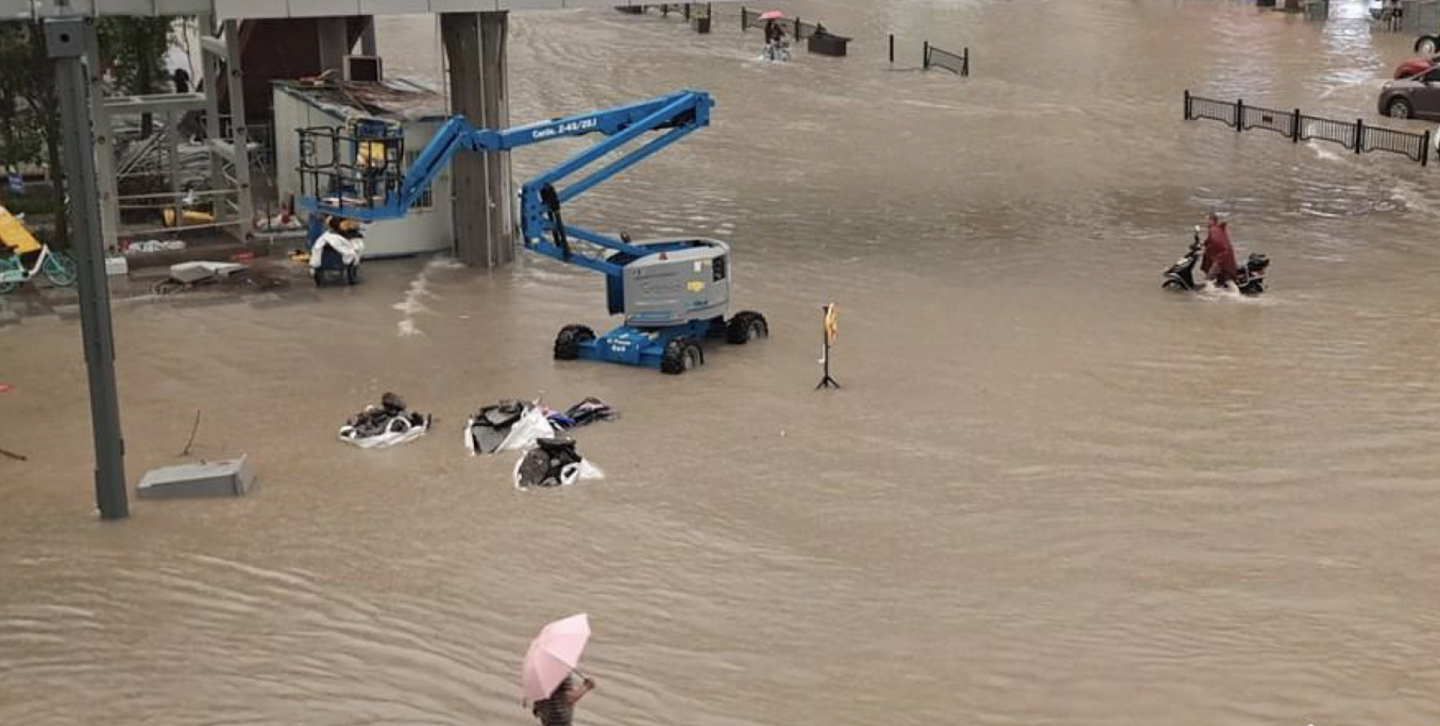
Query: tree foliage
x,y
132,52
24,94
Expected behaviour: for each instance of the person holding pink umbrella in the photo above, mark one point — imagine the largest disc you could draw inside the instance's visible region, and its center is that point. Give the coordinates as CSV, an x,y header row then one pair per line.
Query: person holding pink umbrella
x,y
559,708
774,36
548,675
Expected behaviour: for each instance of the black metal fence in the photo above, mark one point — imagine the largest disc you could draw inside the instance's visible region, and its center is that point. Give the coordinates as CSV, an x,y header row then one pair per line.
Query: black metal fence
x,y
958,63
933,57
1298,126
797,28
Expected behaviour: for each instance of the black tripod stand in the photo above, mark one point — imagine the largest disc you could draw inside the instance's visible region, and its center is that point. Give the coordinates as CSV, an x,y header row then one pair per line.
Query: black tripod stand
x,y
827,330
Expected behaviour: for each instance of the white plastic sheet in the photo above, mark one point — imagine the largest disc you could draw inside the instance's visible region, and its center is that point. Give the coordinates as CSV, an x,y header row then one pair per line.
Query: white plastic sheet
x,y
569,475
398,431
523,434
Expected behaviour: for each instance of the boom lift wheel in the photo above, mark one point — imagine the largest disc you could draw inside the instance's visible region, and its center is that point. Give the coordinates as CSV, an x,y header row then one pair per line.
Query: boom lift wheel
x,y
567,343
746,326
681,355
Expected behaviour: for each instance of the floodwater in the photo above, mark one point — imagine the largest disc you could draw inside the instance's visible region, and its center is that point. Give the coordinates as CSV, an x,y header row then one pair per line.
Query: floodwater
x,y
1049,493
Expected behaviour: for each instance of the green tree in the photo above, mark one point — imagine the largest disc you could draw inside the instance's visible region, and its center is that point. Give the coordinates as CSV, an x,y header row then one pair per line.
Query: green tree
x,y
133,51
20,140
29,87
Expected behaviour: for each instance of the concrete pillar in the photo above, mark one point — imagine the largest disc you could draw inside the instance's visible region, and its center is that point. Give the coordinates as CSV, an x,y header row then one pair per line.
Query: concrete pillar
x,y
367,39
500,193
475,48
332,38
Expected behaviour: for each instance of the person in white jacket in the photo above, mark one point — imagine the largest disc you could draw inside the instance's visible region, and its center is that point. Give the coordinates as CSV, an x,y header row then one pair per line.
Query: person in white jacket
x,y
347,245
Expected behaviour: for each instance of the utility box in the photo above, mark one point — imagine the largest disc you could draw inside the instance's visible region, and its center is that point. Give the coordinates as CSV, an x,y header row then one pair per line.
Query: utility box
x,y
229,478
827,44
1317,10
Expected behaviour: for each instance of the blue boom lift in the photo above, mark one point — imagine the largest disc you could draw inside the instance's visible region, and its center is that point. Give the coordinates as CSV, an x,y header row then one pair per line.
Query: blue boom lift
x,y
674,293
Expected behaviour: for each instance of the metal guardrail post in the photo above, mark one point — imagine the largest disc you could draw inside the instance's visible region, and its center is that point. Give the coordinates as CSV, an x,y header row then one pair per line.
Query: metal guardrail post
x,y
966,72
926,53
1359,135
1187,104
1239,115
1425,149
1295,127
892,49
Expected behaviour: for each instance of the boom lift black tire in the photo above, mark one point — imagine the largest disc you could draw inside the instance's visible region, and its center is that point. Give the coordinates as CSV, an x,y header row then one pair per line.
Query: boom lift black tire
x,y
746,326
681,355
567,343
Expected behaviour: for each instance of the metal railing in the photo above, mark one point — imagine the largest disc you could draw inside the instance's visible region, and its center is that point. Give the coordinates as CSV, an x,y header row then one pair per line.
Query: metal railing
x,y
333,169
1267,119
1298,126
1315,128
934,57
958,63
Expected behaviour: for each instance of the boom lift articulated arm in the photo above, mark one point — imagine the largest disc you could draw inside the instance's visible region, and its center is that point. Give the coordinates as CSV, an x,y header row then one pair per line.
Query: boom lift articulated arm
x,y
541,198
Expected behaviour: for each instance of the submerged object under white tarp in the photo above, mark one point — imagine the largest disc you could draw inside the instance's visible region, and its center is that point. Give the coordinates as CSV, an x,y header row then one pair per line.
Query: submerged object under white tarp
x,y
193,272
228,478
389,424
553,462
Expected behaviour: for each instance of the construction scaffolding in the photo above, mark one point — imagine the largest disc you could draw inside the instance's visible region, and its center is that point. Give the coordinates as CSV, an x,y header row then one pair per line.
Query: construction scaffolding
x,y
202,182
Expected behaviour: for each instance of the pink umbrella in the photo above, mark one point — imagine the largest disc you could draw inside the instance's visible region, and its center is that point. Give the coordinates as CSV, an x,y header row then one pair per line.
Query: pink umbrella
x,y
553,654
772,15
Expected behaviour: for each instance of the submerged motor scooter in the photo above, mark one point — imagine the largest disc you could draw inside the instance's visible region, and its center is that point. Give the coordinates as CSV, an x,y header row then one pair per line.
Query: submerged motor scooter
x,y
1249,278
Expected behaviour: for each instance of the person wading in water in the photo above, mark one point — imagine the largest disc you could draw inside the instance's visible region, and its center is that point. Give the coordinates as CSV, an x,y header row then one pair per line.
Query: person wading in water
x,y
559,708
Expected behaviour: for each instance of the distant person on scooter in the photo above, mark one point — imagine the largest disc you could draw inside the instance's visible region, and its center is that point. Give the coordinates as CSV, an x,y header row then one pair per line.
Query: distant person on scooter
x,y
1219,260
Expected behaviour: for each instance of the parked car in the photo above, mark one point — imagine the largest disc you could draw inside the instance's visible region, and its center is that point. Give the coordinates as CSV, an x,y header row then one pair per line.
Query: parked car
x,y
1414,97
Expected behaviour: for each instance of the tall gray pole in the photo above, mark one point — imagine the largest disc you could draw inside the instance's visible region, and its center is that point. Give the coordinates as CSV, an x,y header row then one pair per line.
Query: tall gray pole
x,y
65,40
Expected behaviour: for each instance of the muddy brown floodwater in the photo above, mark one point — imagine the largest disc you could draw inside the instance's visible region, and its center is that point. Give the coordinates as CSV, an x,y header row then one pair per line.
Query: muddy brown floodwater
x,y
1049,493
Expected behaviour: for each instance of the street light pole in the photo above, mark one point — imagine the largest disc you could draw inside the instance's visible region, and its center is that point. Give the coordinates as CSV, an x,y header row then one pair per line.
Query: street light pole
x,y
67,39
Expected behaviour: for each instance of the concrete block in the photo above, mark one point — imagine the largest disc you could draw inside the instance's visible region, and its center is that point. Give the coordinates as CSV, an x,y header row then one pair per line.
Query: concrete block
x,y
228,478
